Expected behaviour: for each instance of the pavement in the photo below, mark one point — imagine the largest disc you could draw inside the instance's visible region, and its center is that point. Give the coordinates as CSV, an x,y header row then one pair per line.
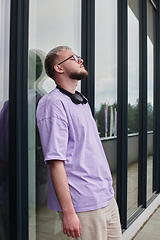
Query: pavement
x,y
151,228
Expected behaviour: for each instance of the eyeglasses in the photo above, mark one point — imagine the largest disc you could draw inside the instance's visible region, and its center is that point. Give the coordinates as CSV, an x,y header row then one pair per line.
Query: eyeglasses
x,y
76,58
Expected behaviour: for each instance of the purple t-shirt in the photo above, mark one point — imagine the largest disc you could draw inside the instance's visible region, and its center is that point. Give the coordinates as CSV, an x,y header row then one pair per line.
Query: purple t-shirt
x,y
68,132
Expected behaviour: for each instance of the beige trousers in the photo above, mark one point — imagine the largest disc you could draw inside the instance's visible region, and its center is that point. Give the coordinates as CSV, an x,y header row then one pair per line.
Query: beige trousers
x,y
101,224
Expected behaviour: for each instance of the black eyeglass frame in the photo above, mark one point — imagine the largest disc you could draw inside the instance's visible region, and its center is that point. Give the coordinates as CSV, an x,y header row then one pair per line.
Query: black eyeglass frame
x,y
78,57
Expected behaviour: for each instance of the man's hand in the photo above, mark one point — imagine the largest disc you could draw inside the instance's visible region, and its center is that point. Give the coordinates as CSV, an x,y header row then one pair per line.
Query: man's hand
x,y
71,225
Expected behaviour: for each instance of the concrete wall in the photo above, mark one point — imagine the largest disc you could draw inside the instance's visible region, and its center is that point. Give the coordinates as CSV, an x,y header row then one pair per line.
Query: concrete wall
x,y
110,148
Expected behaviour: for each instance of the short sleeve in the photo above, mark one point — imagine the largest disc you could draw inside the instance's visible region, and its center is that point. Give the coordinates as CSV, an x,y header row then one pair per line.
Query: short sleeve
x,y
54,137
53,129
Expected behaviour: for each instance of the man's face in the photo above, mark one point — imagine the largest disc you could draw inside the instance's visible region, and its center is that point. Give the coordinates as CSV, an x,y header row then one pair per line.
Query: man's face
x,y
75,70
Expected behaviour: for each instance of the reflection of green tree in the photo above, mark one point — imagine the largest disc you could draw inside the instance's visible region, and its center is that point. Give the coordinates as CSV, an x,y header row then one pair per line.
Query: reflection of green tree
x,y
133,118
100,119
35,68
39,66
149,117
35,71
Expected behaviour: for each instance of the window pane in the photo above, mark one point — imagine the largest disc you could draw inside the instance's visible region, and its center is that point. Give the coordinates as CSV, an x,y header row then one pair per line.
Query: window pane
x,y
150,74
51,23
106,78
133,105
4,118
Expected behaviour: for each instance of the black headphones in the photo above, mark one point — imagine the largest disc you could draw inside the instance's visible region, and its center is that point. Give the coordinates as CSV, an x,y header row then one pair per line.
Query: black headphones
x,y
77,97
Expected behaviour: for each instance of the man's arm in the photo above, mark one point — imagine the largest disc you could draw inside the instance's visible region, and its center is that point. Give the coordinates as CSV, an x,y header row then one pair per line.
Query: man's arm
x,y
71,222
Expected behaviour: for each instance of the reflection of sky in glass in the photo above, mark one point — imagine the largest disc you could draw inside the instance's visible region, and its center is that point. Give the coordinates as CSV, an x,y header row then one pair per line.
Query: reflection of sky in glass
x,y
106,55
150,53
4,50
133,57
105,52
54,23
150,71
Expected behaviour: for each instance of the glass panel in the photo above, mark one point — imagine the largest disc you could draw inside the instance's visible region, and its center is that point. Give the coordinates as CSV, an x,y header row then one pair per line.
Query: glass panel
x,y
150,67
4,118
51,23
133,105
106,78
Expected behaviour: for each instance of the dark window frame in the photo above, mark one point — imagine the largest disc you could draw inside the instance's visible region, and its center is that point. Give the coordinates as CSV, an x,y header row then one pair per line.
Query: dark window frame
x,y
156,130
142,164
88,50
122,110
18,104
18,119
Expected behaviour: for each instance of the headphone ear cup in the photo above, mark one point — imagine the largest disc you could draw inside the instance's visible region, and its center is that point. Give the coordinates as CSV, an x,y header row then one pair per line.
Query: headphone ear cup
x,y
76,98
85,100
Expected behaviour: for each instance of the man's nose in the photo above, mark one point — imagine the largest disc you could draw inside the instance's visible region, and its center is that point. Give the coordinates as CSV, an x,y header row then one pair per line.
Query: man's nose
x,y
80,60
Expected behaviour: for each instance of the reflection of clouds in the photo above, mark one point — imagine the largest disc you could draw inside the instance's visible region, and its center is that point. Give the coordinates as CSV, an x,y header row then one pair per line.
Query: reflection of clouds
x,y
55,23
106,91
4,49
133,57
150,70
106,52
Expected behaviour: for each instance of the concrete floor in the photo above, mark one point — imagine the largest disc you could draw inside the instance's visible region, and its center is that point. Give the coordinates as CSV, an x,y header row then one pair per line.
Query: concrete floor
x,y
151,229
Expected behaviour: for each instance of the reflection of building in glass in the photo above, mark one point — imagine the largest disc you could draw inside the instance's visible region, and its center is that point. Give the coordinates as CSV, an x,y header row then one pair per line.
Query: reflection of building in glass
x,y
4,172
37,76
91,29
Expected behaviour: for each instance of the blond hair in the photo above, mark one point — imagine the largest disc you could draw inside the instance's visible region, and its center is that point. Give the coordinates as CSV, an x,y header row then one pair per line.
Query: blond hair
x,y
50,57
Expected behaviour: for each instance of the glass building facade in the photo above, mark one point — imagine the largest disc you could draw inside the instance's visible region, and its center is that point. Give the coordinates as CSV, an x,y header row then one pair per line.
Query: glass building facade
x,y
119,42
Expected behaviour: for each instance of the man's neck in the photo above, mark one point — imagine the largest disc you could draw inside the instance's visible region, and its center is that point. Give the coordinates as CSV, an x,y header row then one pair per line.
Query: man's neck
x,y
69,87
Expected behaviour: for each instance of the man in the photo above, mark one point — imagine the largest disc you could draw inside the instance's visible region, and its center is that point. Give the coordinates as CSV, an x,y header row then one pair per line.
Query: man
x,y
80,182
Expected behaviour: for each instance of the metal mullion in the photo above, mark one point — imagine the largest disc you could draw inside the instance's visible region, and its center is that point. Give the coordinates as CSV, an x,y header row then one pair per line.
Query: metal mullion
x,y
142,167
18,120
153,4
122,111
88,50
156,130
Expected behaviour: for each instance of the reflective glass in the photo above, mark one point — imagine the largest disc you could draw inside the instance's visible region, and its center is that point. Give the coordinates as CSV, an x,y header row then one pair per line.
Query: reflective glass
x,y
51,24
133,105
150,96
106,78
4,118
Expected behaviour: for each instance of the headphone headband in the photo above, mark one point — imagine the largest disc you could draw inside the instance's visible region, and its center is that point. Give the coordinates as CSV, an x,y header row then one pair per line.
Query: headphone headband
x,y
77,97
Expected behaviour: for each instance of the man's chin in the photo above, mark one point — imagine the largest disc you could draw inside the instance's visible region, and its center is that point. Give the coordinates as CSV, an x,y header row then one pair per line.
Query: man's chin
x,y
83,75
79,76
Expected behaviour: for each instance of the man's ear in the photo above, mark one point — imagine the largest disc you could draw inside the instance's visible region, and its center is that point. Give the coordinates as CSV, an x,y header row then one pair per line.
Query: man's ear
x,y
58,68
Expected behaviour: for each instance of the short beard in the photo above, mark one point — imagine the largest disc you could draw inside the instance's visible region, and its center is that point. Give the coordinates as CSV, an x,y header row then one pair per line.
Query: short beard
x,y
78,76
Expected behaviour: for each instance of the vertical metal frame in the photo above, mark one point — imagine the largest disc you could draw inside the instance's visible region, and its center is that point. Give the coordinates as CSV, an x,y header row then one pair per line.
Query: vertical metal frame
x,y
88,50
156,130
18,120
122,111
142,167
